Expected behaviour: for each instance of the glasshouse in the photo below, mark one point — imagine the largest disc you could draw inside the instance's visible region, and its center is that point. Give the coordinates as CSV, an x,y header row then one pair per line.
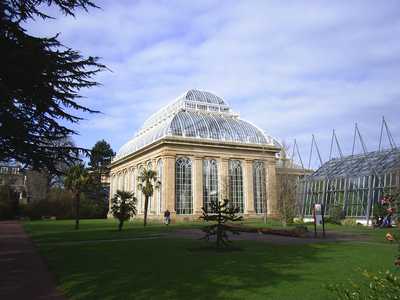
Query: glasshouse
x,y
201,151
354,182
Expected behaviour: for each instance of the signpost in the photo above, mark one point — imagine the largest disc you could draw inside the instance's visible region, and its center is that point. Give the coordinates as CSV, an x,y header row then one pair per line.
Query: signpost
x,y
318,213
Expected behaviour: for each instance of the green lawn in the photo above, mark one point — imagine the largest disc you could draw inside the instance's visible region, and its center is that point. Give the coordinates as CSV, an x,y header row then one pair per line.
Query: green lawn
x,y
166,268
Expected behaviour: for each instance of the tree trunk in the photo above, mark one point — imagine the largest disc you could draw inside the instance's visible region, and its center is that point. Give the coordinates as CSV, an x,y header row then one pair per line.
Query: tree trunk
x,y
219,236
146,204
121,223
77,203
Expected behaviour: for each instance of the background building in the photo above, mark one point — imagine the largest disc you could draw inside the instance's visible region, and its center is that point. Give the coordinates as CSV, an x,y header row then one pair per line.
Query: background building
x,y
26,185
201,151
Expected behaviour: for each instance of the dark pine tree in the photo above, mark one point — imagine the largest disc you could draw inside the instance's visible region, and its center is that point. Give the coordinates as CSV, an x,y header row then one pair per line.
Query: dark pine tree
x,y
220,213
40,81
100,156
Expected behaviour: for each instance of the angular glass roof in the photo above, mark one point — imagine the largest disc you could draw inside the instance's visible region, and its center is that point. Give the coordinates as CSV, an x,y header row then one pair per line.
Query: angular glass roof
x,y
196,114
377,162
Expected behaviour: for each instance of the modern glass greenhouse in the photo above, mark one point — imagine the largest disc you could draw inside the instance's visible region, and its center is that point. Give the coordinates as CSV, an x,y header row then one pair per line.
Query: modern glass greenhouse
x,y
354,182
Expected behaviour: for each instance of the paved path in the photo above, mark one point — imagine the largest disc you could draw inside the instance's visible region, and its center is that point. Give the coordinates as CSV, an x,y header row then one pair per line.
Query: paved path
x,y
276,239
23,273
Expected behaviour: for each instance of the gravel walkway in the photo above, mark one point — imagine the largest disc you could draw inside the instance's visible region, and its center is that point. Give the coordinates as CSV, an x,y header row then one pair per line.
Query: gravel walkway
x,y
23,273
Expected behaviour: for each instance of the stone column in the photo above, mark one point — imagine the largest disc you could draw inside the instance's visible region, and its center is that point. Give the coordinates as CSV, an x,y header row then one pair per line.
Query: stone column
x,y
129,183
223,178
248,187
160,195
121,180
169,183
112,191
139,196
126,180
272,197
154,198
198,185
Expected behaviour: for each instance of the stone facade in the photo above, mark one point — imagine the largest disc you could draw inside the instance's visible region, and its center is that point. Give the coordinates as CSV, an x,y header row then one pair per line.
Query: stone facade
x,y
124,172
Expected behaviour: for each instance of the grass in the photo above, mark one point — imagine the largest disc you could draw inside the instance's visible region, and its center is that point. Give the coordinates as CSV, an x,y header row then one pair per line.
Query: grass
x,y
373,234
164,268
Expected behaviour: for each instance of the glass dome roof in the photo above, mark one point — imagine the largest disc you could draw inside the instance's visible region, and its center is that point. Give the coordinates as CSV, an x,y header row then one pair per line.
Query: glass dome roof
x,y
196,115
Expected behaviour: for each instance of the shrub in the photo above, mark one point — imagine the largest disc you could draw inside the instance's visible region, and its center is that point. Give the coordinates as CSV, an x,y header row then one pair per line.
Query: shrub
x,y
336,215
8,203
59,203
298,221
123,207
349,222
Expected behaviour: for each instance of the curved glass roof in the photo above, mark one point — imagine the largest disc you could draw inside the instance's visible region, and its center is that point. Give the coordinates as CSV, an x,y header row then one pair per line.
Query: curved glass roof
x,y
196,114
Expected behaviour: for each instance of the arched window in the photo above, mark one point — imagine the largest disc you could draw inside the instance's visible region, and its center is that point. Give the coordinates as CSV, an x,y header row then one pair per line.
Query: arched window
x,y
140,196
183,186
160,186
236,184
259,186
210,182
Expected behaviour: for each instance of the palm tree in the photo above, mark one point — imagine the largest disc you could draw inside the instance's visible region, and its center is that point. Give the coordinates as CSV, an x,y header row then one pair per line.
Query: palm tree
x,y
76,178
123,206
147,181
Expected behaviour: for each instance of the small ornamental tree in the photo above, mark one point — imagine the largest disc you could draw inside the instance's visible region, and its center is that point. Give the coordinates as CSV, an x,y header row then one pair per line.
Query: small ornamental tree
x,y
220,212
123,207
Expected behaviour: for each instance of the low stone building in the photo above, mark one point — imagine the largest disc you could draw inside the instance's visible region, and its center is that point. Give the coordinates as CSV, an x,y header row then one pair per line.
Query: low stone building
x,y
201,151
27,185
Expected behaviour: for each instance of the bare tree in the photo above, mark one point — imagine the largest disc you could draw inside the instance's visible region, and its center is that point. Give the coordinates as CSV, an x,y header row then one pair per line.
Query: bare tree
x,y
287,188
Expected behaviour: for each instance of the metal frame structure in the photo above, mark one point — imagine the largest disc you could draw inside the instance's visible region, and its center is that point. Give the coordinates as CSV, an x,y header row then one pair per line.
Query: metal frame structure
x,y
354,182
200,115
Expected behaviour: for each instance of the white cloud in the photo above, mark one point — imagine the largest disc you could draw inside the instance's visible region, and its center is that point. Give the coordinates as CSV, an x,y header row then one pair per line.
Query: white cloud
x,y
292,68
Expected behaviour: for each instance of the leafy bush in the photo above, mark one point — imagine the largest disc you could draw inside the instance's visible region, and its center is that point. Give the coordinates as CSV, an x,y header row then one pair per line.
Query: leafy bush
x,y
60,204
123,207
349,222
336,215
8,203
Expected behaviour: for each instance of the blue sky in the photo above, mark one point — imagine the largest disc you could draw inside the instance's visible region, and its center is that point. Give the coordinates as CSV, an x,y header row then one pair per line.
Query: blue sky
x,y
291,67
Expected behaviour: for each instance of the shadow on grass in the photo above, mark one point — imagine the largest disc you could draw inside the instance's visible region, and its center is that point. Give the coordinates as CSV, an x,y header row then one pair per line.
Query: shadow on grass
x,y
165,269
215,249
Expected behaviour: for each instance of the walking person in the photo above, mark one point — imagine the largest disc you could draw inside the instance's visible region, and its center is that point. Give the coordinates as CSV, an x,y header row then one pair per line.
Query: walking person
x,y
167,217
